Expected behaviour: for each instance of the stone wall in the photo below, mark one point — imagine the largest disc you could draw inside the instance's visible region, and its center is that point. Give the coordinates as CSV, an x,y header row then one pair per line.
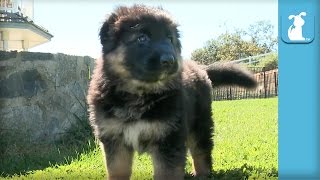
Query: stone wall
x,y
42,96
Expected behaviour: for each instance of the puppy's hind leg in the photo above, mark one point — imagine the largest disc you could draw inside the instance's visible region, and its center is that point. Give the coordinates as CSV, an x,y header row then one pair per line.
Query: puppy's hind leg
x,y
119,159
200,144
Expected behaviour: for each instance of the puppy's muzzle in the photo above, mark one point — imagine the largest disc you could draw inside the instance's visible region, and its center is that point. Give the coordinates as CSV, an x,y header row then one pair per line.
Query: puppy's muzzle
x,y
167,60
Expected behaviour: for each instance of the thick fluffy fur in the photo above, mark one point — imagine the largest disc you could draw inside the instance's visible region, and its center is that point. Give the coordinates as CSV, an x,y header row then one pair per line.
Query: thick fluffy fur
x,y
143,97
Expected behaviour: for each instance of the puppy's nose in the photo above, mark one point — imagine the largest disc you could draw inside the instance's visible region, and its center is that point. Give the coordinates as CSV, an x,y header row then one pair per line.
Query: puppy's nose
x,y
167,60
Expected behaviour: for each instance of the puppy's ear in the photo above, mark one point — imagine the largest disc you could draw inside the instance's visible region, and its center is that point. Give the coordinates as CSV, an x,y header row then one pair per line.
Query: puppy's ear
x,y
107,32
178,41
302,14
291,16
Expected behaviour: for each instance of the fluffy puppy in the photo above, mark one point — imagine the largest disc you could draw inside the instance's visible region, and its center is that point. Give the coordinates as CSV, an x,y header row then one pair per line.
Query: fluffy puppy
x,y
143,97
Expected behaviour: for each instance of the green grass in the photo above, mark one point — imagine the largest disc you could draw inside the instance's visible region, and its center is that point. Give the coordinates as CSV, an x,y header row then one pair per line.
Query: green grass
x,y
246,147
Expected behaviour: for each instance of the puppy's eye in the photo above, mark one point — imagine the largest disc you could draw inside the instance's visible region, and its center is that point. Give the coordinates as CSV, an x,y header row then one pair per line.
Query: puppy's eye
x,y
170,37
143,38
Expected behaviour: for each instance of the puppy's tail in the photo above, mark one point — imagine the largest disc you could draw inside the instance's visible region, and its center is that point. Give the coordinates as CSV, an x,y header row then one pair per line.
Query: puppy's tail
x,y
225,74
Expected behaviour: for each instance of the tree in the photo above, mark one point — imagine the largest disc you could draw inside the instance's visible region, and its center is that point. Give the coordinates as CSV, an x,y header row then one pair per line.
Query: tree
x,y
269,62
261,33
233,46
207,54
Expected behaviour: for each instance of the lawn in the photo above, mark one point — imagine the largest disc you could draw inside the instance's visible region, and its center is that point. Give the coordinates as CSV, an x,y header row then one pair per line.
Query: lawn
x,y
246,147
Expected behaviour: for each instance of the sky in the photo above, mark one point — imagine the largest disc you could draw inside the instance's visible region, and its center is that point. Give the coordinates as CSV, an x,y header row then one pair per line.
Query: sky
x,y
75,24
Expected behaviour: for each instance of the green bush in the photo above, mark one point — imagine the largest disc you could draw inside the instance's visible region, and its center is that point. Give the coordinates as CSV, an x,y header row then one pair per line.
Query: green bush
x,y
269,62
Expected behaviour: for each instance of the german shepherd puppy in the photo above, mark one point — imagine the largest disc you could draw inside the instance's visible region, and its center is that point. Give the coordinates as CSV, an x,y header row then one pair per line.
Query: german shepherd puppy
x,y
143,97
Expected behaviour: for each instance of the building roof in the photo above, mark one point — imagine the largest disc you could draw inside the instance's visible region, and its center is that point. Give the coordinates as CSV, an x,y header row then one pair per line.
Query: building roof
x,y
20,32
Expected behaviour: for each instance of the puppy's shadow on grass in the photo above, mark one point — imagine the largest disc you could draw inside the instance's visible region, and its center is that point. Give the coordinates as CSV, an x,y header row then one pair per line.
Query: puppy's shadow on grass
x,y
242,173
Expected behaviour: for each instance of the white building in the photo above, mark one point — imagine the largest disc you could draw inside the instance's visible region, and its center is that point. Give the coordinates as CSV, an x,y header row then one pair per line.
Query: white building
x,y
17,29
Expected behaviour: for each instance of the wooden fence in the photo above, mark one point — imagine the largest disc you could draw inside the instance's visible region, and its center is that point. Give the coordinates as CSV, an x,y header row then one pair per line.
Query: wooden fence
x,y
267,87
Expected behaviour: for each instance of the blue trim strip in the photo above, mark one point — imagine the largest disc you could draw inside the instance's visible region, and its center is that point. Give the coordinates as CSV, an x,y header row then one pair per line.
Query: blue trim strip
x,y
299,92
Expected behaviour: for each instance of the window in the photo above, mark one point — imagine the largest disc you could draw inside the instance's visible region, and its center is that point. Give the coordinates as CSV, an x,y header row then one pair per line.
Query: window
x,y
2,3
6,4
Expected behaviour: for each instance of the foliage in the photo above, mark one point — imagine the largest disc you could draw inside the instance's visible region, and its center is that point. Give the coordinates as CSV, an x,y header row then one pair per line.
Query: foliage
x,y
261,33
246,147
268,62
257,39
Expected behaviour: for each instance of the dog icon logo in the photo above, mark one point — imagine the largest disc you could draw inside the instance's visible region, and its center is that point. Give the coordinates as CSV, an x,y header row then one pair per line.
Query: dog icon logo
x,y
295,30
297,27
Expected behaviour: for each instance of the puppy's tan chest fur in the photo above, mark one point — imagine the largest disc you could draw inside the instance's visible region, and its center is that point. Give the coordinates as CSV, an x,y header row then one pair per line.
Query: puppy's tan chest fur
x,y
133,132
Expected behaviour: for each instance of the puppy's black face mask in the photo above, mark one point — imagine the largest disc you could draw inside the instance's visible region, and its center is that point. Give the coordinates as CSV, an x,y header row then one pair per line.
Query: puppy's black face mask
x,y
150,50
